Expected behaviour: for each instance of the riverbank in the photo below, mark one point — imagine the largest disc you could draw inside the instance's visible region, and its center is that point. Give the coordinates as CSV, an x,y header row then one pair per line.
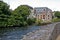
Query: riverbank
x,y
7,29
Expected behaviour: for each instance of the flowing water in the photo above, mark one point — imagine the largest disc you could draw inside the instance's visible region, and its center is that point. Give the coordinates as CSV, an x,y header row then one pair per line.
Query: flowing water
x,y
16,33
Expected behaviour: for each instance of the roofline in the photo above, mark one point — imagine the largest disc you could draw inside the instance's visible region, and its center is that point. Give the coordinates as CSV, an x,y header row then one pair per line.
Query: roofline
x,y
42,7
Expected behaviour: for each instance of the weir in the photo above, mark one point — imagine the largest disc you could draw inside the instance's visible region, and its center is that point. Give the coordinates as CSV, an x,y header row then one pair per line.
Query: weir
x,y
47,32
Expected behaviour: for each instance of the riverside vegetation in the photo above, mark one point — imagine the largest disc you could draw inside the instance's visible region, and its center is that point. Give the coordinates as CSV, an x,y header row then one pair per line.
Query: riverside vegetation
x,y
18,17
57,17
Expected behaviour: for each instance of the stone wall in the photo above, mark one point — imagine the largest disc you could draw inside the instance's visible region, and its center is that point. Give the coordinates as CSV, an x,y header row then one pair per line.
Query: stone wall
x,y
56,32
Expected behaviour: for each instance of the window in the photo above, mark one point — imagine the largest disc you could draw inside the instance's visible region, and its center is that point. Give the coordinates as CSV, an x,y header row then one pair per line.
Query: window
x,y
48,15
43,16
38,16
40,39
48,18
44,9
38,10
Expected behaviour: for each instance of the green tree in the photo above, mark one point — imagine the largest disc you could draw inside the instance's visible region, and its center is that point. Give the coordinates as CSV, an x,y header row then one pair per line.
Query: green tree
x,y
18,17
4,14
20,14
57,14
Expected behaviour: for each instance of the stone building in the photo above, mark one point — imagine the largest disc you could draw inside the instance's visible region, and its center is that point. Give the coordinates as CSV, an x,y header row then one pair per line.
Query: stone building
x,y
40,13
43,13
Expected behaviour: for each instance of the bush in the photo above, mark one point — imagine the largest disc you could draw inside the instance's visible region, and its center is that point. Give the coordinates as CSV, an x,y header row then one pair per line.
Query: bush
x,y
56,20
38,22
31,21
57,14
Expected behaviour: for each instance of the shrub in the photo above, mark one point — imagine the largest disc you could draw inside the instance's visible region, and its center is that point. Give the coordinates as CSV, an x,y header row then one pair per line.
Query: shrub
x,y
38,22
41,22
56,20
31,21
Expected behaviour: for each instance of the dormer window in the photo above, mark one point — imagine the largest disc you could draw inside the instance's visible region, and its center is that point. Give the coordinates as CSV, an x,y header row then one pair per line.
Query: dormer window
x,y
44,9
38,10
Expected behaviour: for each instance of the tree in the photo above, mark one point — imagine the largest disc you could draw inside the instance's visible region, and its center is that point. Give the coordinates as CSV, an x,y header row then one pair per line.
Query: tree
x,y
57,14
20,14
18,17
5,14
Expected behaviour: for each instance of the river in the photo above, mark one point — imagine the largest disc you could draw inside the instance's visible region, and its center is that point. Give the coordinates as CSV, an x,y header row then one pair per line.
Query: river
x,y
16,33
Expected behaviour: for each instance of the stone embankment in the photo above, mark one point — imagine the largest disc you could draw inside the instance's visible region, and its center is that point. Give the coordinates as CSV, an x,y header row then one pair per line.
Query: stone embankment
x,y
47,32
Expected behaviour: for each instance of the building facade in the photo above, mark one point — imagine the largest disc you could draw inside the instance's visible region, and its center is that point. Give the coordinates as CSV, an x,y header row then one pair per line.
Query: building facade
x,y
43,13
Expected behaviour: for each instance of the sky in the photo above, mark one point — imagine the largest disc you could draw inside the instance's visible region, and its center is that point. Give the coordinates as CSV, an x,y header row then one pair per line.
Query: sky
x,y
54,5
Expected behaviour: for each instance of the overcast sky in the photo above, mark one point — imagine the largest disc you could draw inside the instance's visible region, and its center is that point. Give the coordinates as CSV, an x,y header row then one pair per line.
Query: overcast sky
x,y
52,4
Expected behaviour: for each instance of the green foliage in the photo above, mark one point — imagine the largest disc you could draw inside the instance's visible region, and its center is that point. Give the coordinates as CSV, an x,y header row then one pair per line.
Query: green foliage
x,y
20,14
31,21
41,22
57,14
38,22
55,20
18,17
5,14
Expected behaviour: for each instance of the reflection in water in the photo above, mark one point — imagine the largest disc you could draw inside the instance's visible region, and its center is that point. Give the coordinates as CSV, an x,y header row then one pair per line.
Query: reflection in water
x,y
15,33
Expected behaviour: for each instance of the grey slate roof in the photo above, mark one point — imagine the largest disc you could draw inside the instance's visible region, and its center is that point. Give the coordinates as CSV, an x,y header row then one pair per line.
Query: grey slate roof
x,y
42,9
